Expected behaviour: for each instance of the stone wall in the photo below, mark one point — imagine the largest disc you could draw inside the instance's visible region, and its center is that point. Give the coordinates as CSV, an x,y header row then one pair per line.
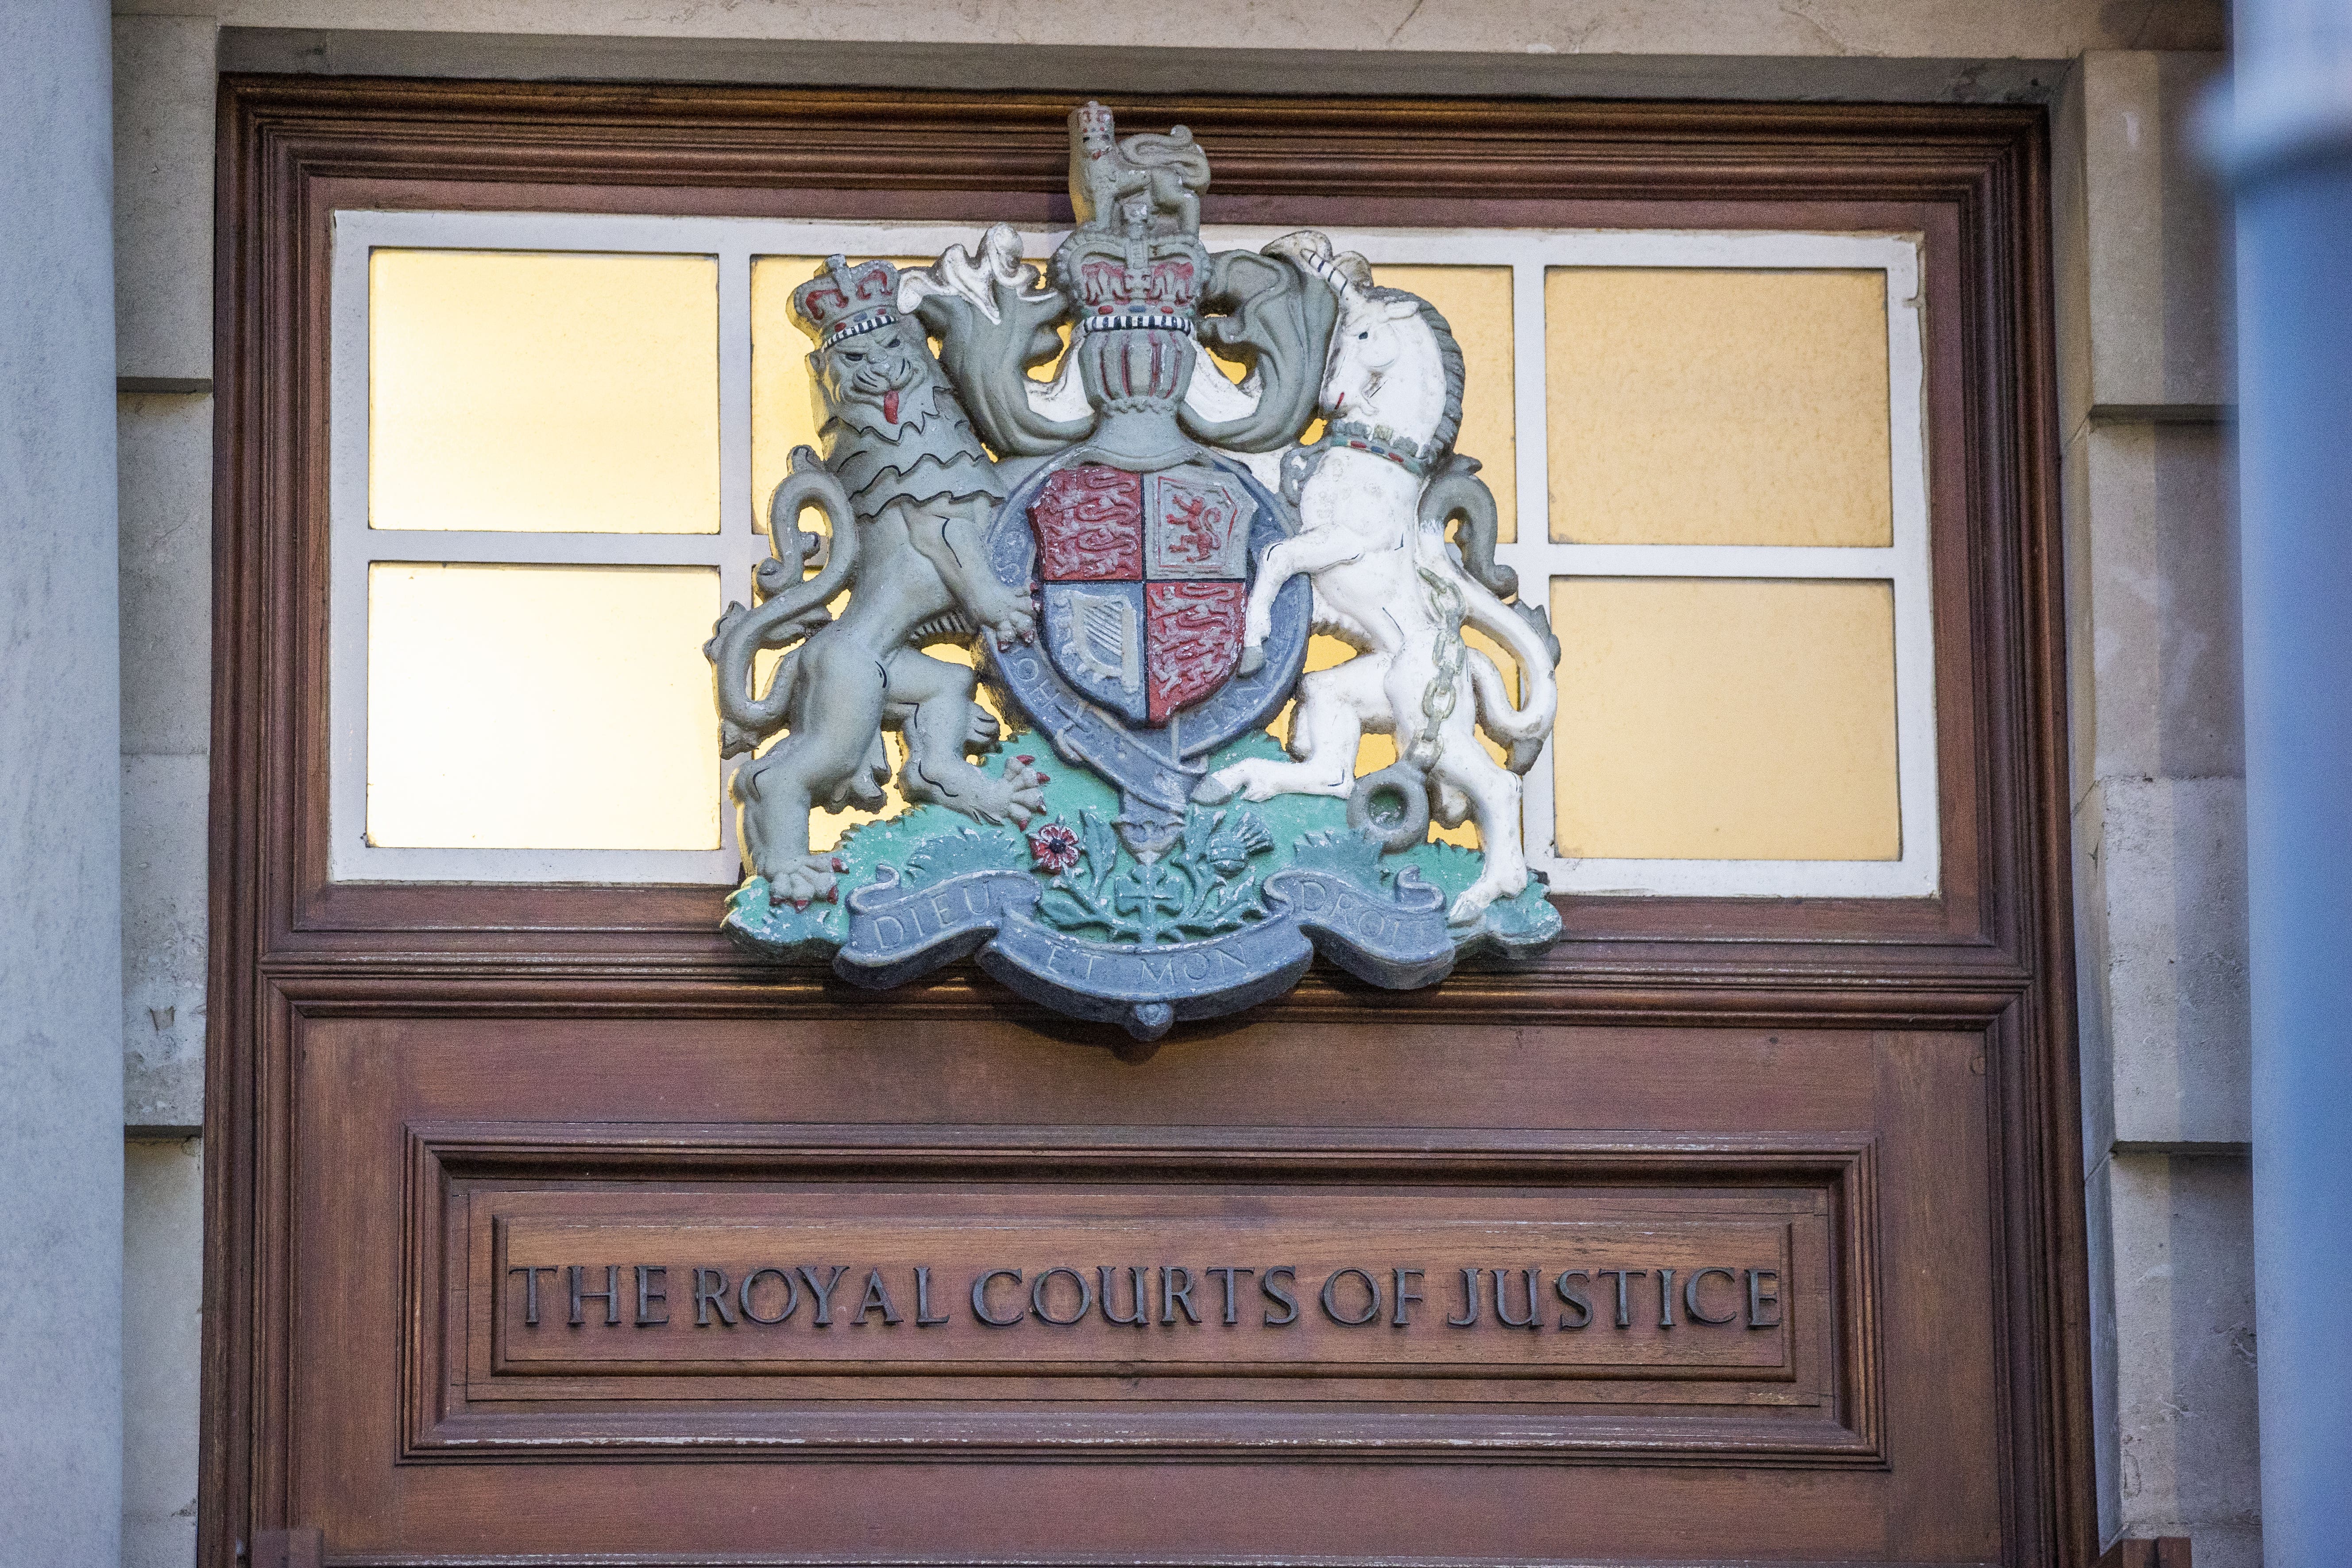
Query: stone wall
x,y
2144,387
166,85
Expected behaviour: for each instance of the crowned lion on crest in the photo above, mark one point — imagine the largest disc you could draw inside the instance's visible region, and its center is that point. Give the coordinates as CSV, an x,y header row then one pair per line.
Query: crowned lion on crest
x,y
907,489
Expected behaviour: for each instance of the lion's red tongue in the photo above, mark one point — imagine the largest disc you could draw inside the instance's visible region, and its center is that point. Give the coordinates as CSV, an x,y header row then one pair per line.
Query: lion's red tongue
x,y
890,405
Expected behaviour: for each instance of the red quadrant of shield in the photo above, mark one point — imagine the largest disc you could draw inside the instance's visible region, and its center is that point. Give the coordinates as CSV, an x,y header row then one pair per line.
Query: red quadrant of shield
x,y
1193,635
1089,524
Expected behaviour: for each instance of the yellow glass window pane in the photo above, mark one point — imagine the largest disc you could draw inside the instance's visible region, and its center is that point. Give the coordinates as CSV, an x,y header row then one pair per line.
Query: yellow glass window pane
x,y
1476,304
1690,406
1725,718
783,400
542,392
541,707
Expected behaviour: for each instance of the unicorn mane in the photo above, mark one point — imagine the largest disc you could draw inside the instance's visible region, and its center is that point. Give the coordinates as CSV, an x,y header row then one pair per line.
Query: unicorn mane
x,y
1449,354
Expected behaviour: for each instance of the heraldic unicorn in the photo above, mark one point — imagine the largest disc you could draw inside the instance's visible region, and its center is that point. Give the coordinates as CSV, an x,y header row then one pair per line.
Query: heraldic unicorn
x,y
1132,556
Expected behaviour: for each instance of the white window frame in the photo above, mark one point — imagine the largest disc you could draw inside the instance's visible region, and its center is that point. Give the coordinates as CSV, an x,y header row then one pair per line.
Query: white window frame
x,y
1903,561
735,550
740,542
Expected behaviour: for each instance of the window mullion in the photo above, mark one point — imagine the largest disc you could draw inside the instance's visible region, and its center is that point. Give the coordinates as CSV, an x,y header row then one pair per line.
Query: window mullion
x,y
1761,560
1529,551
742,541
486,547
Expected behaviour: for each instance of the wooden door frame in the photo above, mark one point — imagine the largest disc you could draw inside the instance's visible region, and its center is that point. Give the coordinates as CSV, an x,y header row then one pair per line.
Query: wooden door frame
x,y
1993,952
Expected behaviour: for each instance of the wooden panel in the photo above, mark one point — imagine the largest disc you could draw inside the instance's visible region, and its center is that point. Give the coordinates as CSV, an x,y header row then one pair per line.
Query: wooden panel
x,y
1889,1397
1611,1237
412,1087
2163,1551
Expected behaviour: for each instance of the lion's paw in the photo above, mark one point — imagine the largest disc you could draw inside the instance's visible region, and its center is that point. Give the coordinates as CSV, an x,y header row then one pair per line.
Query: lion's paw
x,y
1024,790
804,880
1008,618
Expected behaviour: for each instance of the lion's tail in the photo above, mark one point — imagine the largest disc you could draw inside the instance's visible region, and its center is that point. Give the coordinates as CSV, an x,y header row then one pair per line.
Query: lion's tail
x,y
791,608
1176,150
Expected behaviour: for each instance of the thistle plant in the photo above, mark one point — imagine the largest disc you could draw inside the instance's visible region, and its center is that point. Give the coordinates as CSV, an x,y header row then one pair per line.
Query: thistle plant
x,y
1203,885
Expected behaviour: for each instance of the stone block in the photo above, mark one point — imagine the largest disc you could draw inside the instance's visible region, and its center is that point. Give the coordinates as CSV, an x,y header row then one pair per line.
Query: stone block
x,y
2107,1453
164,469
163,109
2201,698
2093,1029
2142,241
163,1323
2083,666
2070,246
2184,1312
164,814
2152,603
2164,919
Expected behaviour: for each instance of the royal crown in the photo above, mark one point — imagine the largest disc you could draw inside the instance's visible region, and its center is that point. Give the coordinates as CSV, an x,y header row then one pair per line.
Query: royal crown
x,y
843,300
1109,286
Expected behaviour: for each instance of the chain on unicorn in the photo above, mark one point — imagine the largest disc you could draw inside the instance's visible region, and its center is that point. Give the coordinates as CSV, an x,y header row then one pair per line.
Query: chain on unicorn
x,y
1374,498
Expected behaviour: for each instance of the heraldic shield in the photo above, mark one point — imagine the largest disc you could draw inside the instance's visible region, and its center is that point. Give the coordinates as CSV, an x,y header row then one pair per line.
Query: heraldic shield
x,y
1123,564
1145,578
1144,582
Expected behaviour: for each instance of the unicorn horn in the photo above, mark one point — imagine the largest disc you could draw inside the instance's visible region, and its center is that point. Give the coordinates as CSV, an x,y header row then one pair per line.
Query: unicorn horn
x,y
1312,250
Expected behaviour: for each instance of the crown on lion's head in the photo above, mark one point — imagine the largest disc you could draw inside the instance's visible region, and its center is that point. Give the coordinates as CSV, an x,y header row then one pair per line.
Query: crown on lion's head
x,y
843,300
1091,124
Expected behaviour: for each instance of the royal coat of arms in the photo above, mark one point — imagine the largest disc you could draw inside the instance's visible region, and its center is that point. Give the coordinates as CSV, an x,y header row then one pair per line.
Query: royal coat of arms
x,y
1131,556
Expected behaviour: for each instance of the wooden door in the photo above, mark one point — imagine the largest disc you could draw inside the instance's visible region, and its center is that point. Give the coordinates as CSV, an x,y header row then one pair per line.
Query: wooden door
x,y
545,1228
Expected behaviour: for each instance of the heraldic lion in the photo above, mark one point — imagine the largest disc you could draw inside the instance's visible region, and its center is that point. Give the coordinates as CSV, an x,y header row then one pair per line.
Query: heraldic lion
x,y
907,490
